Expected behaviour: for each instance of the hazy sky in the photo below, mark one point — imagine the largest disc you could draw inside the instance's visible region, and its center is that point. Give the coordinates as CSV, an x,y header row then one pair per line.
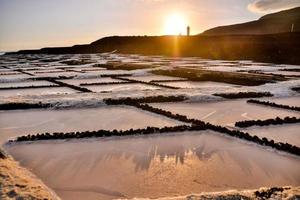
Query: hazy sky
x,y
27,24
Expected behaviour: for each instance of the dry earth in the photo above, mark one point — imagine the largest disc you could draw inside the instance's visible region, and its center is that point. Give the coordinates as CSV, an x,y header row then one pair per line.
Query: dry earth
x,y
18,183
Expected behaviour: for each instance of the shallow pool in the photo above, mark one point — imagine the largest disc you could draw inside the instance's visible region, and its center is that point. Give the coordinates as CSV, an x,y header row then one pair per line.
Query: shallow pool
x,y
154,166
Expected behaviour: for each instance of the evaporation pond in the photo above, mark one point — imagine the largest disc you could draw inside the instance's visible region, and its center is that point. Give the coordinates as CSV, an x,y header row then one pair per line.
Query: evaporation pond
x,y
58,74
192,85
286,133
121,87
290,101
21,122
91,80
8,78
154,78
36,91
154,166
25,84
225,113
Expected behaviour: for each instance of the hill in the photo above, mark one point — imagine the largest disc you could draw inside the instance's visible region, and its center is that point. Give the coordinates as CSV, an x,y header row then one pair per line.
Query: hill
x,y
280,22
248,41
260,48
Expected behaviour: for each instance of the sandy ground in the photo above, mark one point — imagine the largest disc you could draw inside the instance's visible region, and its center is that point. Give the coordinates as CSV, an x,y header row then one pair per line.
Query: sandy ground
x,y
154,166
18,183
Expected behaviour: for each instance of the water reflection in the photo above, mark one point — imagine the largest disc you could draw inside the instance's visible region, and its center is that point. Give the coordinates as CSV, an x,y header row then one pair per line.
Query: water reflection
x,y
143,151
180,163
174,148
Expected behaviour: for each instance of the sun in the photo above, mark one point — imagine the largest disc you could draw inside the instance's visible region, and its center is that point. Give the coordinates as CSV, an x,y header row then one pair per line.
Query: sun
x,y
175,24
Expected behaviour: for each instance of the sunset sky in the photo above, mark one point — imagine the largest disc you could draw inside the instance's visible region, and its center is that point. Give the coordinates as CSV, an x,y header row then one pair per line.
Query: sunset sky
x,y
29,24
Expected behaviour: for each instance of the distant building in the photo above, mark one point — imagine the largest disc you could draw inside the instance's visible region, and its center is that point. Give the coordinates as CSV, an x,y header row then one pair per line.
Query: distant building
x,y
188,30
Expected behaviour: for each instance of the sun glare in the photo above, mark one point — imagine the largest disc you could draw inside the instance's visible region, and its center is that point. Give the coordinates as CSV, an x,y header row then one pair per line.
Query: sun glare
x,y
175,24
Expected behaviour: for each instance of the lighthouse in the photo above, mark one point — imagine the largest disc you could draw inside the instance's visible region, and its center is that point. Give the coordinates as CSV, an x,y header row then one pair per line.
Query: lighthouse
x,y
188,29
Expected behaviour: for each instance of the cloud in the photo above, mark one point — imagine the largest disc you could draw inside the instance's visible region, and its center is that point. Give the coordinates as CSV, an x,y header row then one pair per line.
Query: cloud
x,y
267,6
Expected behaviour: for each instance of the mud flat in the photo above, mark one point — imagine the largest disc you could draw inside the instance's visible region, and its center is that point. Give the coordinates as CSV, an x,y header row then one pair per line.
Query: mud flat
x,y
108,118
288,133
225,113
154,166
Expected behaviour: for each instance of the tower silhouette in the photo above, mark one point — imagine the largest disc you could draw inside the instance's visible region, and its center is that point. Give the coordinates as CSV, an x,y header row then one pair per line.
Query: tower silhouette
x,y
188,29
